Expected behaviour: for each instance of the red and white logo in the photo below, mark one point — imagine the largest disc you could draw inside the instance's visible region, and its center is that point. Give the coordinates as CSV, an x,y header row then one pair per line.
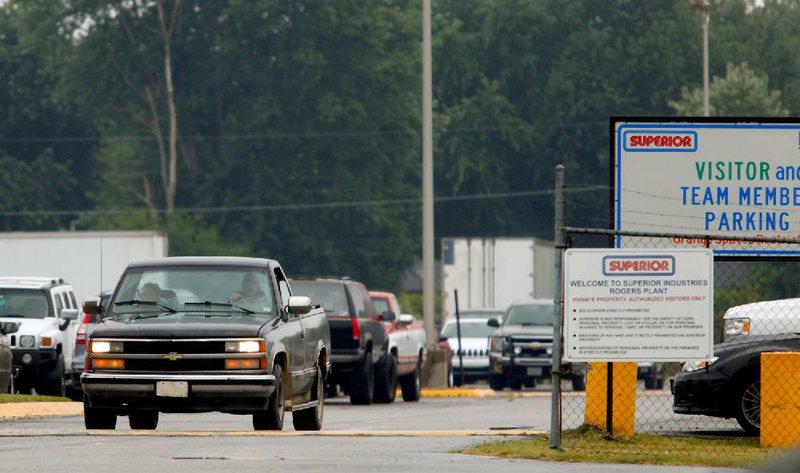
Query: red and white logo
x,y
638,265
660,141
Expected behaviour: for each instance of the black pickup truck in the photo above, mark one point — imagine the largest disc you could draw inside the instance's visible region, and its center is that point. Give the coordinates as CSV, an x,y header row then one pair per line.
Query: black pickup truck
x,y
362,364
199,334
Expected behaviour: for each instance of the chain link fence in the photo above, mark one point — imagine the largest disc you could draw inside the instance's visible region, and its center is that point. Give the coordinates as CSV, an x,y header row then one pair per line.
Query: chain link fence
x,y
756,311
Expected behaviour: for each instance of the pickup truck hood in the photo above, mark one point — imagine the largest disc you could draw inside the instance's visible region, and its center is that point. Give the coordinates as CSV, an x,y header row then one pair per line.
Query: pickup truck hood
x,y
524,331
785,307
180,325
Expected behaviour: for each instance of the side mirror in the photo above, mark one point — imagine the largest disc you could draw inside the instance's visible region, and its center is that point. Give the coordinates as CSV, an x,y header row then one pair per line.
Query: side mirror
x,y
8,327
91,306
67,316
299,305
387,316
405,319
442,338
493,323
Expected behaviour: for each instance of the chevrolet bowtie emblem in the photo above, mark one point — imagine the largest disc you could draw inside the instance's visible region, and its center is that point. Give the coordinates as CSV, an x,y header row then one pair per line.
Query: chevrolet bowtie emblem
x,y
173,356
534,346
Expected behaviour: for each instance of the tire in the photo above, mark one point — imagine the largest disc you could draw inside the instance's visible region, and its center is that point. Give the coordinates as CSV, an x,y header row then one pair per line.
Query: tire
x,y
748,406
362,383
579,382
52,384
410,384
497,382
660,384
331,391
143,420
311,419
515,385
272,417
386,380
101,419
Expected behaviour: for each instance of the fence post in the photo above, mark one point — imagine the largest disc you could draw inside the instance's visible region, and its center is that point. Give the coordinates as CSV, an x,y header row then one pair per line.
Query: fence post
x,y
558,299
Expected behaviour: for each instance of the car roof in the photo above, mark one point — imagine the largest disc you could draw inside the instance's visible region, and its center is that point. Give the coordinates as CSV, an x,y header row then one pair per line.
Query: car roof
x,y
204,261
471,320
321,278
383,294
532,302
31,282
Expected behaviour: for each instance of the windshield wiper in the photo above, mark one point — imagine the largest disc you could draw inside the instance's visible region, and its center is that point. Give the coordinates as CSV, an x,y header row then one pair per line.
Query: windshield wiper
x,y
150,303
222,304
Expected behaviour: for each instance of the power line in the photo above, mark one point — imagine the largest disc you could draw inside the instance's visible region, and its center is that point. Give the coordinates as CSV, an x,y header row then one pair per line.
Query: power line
x,y
299,206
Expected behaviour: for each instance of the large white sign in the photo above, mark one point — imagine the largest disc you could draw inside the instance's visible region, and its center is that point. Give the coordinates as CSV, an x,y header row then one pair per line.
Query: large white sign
x,y
638,305
736,179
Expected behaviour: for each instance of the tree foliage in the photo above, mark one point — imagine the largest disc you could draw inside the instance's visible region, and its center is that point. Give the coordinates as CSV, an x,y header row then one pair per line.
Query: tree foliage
x,y
294,126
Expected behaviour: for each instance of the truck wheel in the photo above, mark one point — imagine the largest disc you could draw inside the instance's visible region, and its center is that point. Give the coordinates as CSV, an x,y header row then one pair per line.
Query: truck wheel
x,y
272,417
311,419
143,420
579,382
362,383
53,382
748,406
410,384
331,391
515,385
94,418
386,379
497,382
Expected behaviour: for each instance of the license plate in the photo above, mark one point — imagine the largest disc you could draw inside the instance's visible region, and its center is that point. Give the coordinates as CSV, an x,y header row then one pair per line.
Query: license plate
x,y
534,371
172,389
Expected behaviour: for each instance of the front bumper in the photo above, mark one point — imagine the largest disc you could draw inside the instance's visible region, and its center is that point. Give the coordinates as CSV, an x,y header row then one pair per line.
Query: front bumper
x,y
205,392
520,367
701,393
32,363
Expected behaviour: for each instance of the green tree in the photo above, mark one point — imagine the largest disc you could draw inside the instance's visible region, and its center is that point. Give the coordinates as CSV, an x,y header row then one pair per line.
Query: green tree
x,y
742,92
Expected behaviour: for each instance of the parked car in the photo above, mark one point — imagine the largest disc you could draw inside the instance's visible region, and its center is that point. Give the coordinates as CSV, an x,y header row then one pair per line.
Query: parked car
x,y
521,349
761,318
362,364
475,333
729,384
74,388
652,373
6,357
406,342
46,310
201,334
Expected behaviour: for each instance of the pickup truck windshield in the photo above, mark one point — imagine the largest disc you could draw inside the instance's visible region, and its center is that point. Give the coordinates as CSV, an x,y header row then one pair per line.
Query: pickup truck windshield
x,y
204,289
530,315
23,303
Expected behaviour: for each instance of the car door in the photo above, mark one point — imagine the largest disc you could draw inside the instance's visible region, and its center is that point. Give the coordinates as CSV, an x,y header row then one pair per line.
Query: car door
x,y
369,322
295,342
68,335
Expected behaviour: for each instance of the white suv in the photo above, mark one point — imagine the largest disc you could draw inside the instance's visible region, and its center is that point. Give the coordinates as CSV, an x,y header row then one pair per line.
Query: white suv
x,y
46,310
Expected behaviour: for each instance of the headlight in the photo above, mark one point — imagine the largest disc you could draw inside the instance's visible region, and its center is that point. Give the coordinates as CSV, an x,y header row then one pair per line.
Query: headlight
x,y
246,346
27,341
690,366
735,327
104,346
497,344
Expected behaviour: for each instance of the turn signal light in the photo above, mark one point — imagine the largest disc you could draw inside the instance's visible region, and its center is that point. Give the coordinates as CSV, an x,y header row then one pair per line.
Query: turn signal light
x,y
108,364
244,363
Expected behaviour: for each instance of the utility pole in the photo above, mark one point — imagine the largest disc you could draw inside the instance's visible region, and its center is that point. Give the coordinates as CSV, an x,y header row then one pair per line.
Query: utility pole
x,y
428,283
705,8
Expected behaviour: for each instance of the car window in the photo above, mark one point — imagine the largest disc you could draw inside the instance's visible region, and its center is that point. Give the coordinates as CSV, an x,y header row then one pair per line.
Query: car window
x,y
73,301
59,304
177,287
530,314
283,287
361,301
380,304
468,330
23,303
329,294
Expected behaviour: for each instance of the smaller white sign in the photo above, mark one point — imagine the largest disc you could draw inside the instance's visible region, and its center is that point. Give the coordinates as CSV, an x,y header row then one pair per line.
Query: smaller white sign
x,y
638,305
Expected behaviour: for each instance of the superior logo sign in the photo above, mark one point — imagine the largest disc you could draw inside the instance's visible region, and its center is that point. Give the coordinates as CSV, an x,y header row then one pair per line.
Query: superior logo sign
x,y
639,265
660,141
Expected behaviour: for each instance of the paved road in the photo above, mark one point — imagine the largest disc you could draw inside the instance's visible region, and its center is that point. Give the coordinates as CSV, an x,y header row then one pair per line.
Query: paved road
x,y
219,442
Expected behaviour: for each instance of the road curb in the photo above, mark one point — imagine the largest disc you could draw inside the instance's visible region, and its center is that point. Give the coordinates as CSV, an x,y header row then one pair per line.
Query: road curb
x,y
457,392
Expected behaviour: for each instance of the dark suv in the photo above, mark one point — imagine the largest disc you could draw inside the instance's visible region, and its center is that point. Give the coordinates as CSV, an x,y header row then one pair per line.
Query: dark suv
x,y
521,349
359,343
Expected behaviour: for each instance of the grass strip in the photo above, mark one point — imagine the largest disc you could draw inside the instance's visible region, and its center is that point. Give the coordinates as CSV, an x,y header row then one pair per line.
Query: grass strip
x,y
590,445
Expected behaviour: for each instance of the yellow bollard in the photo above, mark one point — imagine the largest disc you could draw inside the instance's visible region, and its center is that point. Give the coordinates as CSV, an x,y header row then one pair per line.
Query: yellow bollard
x,y
780,399
623,397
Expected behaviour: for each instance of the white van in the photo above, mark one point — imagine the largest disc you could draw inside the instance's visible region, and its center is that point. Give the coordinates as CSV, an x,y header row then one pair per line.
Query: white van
x,y
762,318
